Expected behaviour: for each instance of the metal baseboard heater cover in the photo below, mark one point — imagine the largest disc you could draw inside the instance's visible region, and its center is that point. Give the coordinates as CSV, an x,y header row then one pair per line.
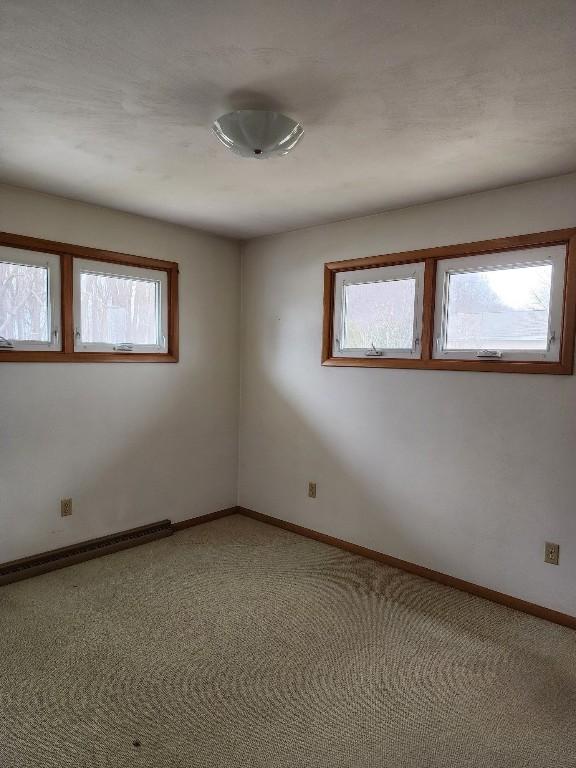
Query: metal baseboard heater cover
x,y
26,567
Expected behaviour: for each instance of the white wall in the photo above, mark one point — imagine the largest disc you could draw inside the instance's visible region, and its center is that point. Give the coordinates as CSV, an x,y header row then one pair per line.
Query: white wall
x,y
466,473
130,443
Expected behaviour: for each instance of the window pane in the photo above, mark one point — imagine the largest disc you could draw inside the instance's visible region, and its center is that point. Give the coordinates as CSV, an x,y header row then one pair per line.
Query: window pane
x,y
379,314
506,308
118,309
24,305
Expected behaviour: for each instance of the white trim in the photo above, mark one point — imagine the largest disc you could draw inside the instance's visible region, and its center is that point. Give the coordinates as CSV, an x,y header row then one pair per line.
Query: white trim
x,y
414,270
554,255
51,263
158,276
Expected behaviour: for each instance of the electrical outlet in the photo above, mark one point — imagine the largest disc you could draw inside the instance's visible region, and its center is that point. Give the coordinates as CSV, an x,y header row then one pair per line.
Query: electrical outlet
x,y
65,507
312,490
552,553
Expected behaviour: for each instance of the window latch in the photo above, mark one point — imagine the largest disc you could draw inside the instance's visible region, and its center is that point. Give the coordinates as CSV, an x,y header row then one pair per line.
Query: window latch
x,y
124,347
374,352
493,354
5,343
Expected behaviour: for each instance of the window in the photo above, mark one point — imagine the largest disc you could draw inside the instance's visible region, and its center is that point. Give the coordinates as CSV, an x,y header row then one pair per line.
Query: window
x,y
506,305
502,306
378,312
69,303
29,300
119,308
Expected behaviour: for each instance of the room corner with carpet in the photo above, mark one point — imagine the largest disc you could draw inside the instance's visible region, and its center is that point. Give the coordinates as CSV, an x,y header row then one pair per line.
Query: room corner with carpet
x,y
237,643
287,384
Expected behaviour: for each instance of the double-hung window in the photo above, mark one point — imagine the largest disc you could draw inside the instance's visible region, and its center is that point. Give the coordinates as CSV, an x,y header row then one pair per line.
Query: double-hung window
x,y
70,303
505,305
29,300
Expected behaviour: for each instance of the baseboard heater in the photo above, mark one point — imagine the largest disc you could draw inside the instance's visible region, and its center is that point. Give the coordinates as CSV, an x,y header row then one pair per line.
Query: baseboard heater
x,y
86,550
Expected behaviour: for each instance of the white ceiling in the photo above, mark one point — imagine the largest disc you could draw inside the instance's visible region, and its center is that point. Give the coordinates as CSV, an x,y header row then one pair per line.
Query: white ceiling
x,y
403,101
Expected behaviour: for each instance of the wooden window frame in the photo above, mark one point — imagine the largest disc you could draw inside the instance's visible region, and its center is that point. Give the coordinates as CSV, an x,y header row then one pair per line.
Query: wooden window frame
x,y
67,253
430,258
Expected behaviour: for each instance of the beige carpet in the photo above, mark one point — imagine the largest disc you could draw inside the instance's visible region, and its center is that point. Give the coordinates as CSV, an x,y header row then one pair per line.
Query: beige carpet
x,y
238,645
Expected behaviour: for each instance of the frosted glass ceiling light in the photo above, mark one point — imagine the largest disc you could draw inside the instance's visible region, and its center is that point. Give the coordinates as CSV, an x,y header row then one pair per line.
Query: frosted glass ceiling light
x,y
257,133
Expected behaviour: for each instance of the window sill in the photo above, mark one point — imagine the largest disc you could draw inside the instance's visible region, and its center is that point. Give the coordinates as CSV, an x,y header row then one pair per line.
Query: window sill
x,y
485,366
21,356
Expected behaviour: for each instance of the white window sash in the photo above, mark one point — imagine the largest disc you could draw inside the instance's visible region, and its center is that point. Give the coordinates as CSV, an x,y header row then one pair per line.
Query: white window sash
x,y
51,262
120,270
414,270
554,255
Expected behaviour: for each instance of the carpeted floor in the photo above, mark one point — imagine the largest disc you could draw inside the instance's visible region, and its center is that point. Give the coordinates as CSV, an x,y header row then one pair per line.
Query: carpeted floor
x,y
238,645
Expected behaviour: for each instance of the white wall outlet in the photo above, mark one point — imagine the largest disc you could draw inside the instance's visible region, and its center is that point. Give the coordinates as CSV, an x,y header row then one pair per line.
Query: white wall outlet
x,y
65,507
312,490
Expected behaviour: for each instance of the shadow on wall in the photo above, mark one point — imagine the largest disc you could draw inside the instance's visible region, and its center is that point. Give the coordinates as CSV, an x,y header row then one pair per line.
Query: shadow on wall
x,y
289,446
137,447
428,468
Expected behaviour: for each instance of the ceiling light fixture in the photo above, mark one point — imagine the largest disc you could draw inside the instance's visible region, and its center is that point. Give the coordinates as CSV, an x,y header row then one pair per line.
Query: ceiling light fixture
x,y
257,133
